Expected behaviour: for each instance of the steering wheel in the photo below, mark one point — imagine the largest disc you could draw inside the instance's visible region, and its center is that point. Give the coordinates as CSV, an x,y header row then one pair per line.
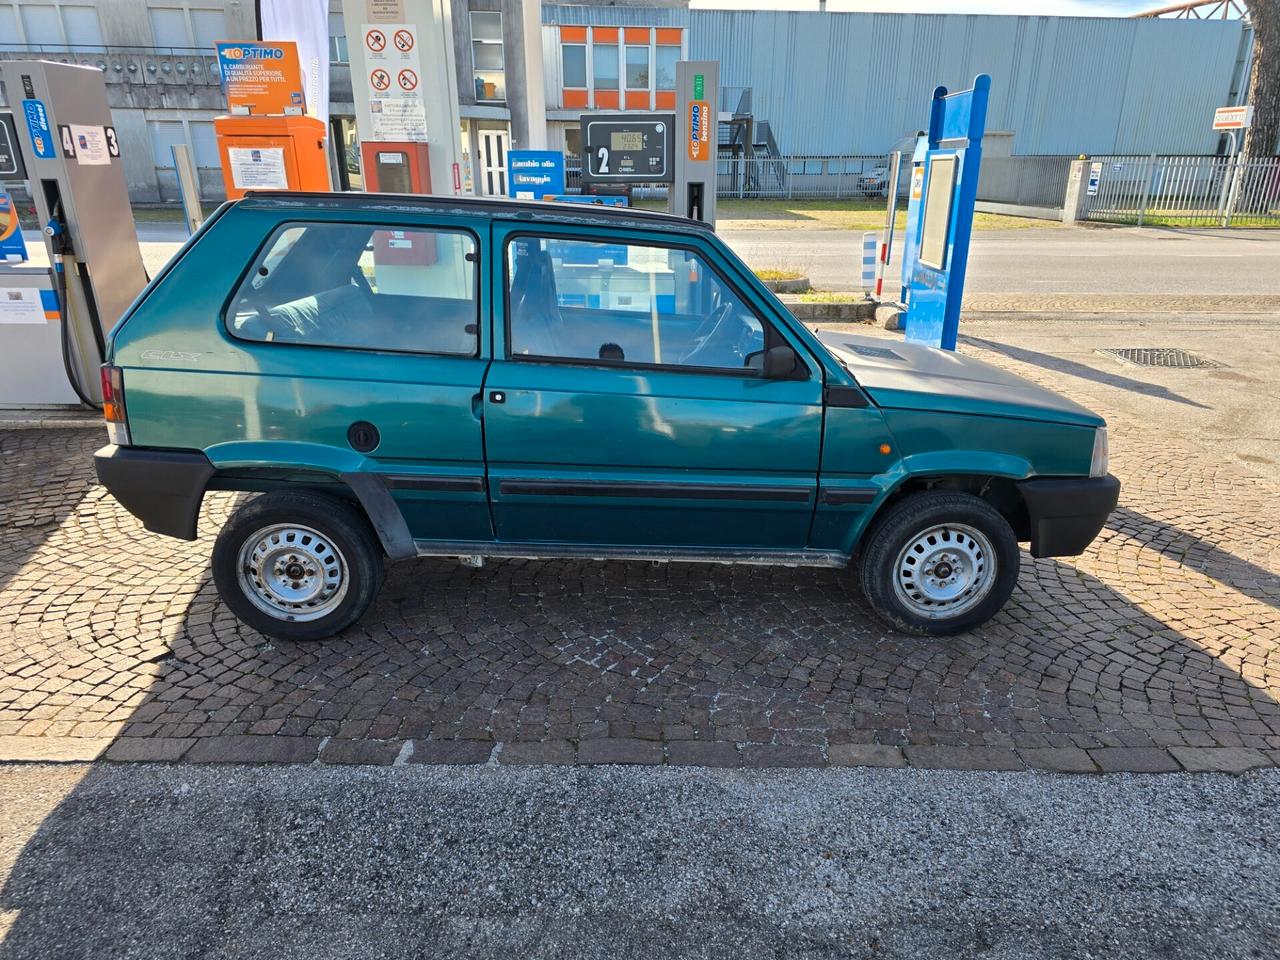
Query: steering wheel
x,y
707,331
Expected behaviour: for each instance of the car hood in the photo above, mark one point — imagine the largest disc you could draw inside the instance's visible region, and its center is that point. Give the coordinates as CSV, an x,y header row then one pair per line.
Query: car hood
x,y
914,377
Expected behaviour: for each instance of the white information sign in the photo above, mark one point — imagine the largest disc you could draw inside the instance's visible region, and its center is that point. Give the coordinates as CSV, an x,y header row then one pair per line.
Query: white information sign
x,y
258,168
21,305
1232,118
91,145
399,120
393,73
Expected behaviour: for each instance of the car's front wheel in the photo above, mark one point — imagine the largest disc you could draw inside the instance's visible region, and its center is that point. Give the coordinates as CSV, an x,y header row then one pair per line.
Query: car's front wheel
x,y
297,565
939,563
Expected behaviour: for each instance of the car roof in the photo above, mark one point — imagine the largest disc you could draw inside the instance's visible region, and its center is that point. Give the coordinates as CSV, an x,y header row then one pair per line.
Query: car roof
x,y
491,207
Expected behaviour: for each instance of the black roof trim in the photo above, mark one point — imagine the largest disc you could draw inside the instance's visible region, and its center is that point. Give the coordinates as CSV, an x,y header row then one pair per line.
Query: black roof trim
x,y
482,206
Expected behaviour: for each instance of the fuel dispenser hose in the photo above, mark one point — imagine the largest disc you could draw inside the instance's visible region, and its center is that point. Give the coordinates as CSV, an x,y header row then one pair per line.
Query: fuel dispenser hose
x,y
60,285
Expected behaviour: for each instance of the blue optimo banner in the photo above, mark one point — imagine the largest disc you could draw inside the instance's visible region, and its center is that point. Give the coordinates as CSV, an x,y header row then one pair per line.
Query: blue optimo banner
x,y
12,247
534,174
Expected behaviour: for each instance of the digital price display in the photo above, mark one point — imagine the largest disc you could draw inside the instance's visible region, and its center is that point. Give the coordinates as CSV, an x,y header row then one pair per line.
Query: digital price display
x,y
626,140
628,148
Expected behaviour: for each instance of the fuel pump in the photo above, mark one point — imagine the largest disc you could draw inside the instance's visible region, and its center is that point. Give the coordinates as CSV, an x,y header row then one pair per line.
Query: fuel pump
x,y
693,194
56,320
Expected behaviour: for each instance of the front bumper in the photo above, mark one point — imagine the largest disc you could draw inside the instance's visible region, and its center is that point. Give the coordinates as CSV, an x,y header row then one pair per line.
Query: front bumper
x,y
1066,513
162,488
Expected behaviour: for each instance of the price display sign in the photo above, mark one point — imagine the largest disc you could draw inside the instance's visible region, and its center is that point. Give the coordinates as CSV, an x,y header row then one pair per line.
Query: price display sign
x,y
628,148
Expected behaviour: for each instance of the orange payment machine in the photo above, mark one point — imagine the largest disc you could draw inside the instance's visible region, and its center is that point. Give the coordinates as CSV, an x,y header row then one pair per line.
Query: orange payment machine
x,y
267,142
395,166
271,153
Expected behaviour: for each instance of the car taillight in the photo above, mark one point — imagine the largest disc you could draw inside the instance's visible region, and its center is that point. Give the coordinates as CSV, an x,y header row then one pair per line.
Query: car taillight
x,y
113,405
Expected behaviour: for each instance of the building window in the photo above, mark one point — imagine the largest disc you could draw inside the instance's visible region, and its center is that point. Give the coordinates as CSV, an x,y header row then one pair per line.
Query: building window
x,y
165,134
41,24
169,27
604,65
487,59
204,144
665,68
338,40
208,27
186,28
637,68
575,64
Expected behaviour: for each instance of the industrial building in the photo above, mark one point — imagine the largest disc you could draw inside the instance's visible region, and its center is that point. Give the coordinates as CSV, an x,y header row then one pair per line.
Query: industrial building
x,y
816,87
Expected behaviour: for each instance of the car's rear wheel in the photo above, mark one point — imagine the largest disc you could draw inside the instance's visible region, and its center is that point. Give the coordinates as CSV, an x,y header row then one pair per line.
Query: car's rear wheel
x,y
297,565
939,563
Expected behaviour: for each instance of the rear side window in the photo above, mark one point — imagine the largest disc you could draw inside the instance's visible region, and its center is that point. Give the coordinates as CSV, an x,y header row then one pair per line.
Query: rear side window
x,y
363,286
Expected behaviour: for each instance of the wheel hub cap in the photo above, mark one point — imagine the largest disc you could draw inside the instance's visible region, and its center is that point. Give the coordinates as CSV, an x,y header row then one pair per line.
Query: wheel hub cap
x,y
292,572
945,571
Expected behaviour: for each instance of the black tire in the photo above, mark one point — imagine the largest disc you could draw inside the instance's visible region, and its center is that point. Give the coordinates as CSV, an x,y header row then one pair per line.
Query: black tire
x,y
913,517
357,563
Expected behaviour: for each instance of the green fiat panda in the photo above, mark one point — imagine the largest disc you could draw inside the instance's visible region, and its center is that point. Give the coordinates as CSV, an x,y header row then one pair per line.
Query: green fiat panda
x,y
403,377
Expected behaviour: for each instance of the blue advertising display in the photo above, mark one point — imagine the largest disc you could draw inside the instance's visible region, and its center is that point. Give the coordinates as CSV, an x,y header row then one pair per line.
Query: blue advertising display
x,y
940,219
38,127
534,174
12,247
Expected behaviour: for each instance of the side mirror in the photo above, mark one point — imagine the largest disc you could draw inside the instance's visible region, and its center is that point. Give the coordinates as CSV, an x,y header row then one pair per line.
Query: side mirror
x,y
780,362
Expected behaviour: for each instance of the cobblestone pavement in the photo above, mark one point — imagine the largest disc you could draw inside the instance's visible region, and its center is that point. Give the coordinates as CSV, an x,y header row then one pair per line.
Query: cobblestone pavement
x,y
1159,649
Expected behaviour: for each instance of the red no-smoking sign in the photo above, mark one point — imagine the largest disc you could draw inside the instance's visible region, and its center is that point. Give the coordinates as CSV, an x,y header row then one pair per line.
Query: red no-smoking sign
x,y
408,79
375,40
404,41
380,79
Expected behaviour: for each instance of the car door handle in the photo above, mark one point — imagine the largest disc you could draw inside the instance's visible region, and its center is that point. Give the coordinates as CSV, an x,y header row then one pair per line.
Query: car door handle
x,y
497,396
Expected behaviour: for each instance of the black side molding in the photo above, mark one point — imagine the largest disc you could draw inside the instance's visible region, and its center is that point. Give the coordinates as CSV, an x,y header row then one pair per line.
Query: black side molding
x,y
845,397
397,481
655,490
162,488
836,497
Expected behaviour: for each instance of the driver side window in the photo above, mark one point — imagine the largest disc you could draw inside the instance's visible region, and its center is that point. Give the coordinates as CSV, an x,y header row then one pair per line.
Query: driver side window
x,y
361,286
629,304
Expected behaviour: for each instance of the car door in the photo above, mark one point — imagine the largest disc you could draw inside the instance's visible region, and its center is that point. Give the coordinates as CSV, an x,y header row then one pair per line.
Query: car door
x,y
626,403
361,343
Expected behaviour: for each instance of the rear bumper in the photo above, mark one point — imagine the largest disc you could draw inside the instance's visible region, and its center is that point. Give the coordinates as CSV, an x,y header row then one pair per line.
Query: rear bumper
x,y
1067,513
162,488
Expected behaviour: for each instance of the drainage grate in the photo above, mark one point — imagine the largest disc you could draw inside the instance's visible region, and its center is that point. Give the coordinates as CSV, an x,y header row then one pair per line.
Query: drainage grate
x,y
880,353
1158,357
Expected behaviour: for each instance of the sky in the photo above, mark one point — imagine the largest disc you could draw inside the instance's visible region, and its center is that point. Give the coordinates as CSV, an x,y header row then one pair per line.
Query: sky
x,y
1068,8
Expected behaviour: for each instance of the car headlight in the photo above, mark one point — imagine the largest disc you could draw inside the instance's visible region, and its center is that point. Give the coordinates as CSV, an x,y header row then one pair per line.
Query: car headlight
x,y
1101,454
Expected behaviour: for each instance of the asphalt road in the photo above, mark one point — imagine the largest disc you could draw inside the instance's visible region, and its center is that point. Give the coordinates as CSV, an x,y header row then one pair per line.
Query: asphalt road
x,y
614,862
1077,260
1036,260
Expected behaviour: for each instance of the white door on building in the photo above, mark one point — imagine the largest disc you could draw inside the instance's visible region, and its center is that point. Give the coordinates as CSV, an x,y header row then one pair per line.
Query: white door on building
x,y
493,162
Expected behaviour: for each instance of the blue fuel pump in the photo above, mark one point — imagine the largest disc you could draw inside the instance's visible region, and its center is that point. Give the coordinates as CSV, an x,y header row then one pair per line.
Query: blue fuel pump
x,y
944,188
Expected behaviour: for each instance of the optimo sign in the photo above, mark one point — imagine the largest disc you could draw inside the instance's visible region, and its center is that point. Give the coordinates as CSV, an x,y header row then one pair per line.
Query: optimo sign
x,y
260,77
628,148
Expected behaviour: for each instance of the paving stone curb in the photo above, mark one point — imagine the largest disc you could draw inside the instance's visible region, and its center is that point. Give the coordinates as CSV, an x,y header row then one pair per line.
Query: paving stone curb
x,y
611,751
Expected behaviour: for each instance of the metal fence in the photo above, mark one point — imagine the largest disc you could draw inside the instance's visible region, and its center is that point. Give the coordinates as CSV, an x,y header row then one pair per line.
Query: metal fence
x,y
1026,181
1187,191
779,178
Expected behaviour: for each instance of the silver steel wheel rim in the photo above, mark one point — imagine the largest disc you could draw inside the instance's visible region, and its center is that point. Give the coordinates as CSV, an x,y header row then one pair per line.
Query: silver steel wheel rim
x,y
945,571
291,572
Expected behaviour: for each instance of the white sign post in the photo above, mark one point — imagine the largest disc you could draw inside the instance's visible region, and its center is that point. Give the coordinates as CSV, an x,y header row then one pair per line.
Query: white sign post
x,y
1229,120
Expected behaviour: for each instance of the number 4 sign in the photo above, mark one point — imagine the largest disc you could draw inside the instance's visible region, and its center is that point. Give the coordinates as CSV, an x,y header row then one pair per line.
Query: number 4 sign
x,y
68,141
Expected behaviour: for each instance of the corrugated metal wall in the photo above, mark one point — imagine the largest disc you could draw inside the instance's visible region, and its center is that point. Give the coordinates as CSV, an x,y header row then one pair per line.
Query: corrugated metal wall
x,y
855,83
